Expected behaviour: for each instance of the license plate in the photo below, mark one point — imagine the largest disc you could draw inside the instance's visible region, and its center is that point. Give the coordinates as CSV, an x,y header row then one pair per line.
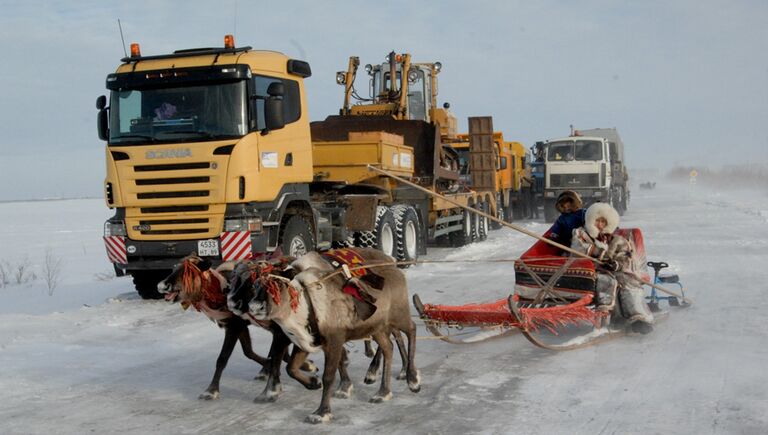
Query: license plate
x,y
208,248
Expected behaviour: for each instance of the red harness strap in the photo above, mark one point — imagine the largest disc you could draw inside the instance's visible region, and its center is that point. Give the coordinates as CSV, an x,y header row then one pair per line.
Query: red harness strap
x,y
274,286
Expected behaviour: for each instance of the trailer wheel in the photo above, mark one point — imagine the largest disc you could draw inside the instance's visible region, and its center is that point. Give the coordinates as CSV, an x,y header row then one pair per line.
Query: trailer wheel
x,y
621,203
482,232
383,235
475,224
501,214
463,237
406,233
146,282
550,213
297,237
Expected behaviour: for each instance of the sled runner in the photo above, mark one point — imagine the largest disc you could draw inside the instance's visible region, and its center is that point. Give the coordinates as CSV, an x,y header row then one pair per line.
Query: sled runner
x,y
555,298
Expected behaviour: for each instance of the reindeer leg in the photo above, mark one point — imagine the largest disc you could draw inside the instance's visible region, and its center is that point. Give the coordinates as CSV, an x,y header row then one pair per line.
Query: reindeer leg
x,y
345,383
273,388
232,331
403,355
333,351
372,374
247,346
368,348
412,374
295,363
307,365
385,346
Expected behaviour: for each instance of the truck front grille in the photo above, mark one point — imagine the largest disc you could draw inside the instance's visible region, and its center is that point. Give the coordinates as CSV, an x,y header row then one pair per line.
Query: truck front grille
x,y
175,201
181,194
174,209
574,180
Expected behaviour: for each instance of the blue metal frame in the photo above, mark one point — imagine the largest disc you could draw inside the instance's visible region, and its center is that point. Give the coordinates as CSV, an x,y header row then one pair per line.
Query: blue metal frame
x,y
654,297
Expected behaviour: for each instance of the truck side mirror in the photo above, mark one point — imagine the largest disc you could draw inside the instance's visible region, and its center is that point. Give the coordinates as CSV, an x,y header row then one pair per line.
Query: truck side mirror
x,y
273,107
102,121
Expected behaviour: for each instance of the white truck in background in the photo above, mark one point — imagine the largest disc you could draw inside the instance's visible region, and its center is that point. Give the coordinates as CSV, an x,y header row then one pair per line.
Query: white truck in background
x,y
590,162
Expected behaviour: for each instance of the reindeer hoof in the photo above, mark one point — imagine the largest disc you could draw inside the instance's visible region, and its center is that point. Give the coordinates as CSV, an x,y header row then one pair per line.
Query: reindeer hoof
x,y
415,384
314,383
309,367
266,398
317,418
370,378
381,398
209,395
343,392
269,396
402,375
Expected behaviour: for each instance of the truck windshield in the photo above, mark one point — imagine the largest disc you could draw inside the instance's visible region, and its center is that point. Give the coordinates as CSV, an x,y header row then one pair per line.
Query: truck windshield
x,y
575,150
178,114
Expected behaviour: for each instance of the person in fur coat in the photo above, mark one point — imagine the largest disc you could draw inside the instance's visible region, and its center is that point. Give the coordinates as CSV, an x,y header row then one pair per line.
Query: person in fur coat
x,y
617,274
569,205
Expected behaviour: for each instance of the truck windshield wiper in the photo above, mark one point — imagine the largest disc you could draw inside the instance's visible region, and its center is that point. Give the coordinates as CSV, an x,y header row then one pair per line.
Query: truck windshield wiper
x,y
135,136
189,132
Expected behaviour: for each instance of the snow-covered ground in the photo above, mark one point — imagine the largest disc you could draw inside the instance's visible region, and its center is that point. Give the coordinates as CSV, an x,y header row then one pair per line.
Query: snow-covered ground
x,y
93,357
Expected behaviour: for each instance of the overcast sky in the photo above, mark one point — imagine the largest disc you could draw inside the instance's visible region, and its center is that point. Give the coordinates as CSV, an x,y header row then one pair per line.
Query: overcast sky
x,y
685,82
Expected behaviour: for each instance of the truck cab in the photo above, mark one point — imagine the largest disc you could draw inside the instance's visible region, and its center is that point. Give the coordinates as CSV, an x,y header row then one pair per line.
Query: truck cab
x,y
578,163
208,151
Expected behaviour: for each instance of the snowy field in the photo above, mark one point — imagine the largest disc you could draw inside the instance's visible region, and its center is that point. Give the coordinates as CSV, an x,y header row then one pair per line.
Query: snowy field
x,y
89,356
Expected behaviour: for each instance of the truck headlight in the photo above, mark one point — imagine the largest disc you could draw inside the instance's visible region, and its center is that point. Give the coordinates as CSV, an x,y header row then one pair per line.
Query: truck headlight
x,y
549,194
243,224
597,194
114,228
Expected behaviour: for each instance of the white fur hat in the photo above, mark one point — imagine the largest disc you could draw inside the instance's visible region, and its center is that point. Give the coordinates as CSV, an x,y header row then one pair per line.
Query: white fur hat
x,y
604,210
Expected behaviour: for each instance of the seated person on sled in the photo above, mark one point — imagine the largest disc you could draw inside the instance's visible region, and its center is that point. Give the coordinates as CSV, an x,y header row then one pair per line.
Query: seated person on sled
x,y
617,272
571,217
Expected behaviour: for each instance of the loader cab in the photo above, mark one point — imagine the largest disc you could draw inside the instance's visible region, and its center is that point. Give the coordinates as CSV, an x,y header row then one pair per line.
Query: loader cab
x,y
418,88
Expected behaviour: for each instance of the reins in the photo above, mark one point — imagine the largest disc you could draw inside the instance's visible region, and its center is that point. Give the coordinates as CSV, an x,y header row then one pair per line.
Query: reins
x,y
514,227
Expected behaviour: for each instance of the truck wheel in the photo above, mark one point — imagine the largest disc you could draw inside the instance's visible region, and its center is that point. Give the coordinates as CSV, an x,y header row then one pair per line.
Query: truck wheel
x,y
146,281
500,213
346,243
296,239
406,233
624,201
463,237
483,229
550,213
475,225
383,235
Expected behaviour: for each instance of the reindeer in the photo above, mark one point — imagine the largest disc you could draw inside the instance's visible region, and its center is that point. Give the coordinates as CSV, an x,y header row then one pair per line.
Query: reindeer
x,y
316,314
194,283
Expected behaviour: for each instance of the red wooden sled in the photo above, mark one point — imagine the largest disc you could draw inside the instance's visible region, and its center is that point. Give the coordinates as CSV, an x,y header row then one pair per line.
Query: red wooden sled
x,y
552,293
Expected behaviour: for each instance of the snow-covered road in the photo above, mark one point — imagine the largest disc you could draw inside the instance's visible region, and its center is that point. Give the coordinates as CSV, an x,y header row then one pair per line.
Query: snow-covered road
x,y
93,357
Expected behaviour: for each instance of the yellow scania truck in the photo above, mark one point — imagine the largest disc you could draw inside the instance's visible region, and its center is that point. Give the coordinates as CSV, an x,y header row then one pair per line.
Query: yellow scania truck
x,y
209,151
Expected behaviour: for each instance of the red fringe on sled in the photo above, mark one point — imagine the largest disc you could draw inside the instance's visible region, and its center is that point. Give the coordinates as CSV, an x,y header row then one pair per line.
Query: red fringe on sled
x,y
497,313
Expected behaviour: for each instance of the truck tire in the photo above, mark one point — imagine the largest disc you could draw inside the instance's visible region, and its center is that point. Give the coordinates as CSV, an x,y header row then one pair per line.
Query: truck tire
x,y
463,237
550,213
501,213
482,233
296,238
383,235
406,233
621,202
146,281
